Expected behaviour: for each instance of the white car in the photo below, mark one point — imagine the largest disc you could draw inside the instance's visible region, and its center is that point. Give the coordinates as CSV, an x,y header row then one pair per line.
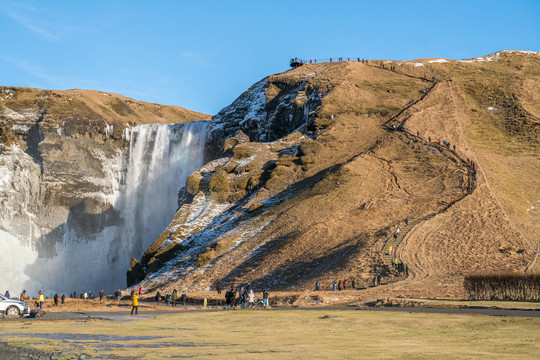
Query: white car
x,y
13,307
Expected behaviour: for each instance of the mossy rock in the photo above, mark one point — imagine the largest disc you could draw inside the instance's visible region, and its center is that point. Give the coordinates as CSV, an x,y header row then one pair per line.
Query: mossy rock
x,y
309,147
231,142
219,181
245,150
237,196
286,160
253,182
193,183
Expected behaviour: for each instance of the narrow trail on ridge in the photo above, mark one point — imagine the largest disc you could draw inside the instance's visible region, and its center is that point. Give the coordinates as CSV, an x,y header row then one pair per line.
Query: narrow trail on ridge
x,y
412,244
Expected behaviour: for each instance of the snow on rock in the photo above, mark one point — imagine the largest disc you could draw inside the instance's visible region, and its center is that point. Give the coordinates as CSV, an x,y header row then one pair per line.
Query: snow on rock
x,y
438,61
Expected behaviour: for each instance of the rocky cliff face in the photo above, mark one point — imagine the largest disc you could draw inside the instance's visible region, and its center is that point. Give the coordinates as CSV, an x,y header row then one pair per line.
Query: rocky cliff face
x,y
64,159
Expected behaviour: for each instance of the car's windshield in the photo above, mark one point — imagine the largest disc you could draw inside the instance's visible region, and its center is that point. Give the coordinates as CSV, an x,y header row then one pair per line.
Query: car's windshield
x,y
2,297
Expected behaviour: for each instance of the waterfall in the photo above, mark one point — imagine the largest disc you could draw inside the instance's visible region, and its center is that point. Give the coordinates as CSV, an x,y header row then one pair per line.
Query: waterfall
x,y
160,159
153,169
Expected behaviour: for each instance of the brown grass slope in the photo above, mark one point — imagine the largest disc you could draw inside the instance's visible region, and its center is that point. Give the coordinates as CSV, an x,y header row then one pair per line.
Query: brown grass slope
x,y
84,112
338,199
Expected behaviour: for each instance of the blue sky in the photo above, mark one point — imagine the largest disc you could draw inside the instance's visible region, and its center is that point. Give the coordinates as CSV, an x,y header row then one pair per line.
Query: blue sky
x,y
202,55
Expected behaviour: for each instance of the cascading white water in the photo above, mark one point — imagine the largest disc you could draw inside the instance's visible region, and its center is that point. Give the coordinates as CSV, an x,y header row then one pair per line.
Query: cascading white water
x,y
156,165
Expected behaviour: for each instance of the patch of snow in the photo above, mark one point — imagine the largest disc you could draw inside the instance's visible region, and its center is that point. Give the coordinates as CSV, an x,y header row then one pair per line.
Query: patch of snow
x,y
418,64
438,61
20,128
491,108
13,115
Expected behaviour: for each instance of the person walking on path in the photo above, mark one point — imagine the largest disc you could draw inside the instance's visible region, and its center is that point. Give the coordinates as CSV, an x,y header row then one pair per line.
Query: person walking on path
x,y
334,285
174,297
63,300
218,288
140,291
251,298
23,296
265,297
344,284
184,297
100,295
317,286
135,303
40,300
390,250
55,298
406,221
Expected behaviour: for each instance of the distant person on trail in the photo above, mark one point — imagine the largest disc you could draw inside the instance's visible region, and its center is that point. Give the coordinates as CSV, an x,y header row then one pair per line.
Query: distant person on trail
x,y
140,290
334,285
100,295
406,221
317,286
375,281
174,298
40,300
453,200
167,299
63,300
454,147
135,303
344,284
398,230
339,285
55,298
158,297
378,279
390,250
218,288
184,297
265,297
251,298
353,284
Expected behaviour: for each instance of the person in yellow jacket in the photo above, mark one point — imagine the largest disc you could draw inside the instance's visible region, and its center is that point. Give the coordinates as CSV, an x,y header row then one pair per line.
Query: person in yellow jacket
x,y
40,299
135,307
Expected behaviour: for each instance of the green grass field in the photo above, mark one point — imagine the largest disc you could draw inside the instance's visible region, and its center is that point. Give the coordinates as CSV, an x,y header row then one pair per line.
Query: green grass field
x,y
286,335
